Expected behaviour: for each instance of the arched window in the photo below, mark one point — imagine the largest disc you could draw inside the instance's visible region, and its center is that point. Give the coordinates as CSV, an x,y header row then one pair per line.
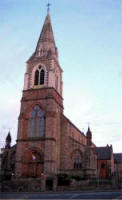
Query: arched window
x,y
36,80
36,123
39,76
42,74
77,161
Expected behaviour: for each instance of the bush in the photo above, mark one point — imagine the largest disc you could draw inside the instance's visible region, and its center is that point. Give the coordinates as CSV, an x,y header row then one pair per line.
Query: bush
x,y
77,177
49,183
63,179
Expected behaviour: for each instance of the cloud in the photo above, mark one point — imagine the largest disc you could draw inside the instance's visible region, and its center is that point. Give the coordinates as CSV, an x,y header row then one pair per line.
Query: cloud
x,y
117,146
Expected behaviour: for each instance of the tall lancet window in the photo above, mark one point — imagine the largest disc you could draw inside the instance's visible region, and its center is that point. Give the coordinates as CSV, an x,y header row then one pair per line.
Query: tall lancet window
x,y
39,76
36,123
36,80
42,74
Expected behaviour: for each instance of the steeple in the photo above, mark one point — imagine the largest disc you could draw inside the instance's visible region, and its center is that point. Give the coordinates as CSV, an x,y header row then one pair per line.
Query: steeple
x,y
8,140
43,69
46,47
46,34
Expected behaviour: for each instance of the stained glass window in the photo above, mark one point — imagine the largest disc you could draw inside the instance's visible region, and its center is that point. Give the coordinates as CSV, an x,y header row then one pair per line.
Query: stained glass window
x,y
36,108
77,160
36,123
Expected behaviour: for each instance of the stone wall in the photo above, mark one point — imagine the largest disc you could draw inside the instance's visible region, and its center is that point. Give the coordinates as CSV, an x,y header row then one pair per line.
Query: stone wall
x,y
72,140
22,185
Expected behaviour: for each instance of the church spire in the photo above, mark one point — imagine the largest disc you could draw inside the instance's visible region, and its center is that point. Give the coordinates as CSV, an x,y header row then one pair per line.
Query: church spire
x,y
46,48
8,140
43,69
46,33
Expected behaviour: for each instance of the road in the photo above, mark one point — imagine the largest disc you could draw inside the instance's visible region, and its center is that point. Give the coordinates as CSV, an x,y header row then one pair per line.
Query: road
x,y
63,195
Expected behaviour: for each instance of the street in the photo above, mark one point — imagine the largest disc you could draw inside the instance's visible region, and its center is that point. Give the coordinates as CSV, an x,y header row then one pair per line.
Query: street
x,y
63,195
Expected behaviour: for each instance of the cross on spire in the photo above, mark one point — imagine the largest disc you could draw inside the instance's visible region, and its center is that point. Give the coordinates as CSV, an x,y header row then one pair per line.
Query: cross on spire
x,y
48,6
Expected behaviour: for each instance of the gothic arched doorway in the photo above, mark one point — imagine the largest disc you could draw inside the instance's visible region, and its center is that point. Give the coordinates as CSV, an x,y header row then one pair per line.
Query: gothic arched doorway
x,y
32,165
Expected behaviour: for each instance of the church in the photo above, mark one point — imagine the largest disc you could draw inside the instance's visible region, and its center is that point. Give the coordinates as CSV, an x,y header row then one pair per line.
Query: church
x,y
48,143
45,136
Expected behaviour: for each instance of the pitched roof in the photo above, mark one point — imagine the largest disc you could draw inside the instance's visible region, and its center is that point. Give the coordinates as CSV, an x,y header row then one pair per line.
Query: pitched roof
x,y
104,153
74,126
118,157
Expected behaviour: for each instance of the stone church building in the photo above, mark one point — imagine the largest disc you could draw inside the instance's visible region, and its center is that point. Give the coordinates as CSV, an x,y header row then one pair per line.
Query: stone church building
x,y
48,143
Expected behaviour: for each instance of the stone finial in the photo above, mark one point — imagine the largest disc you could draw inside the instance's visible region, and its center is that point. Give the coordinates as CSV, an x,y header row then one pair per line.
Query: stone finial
x,y
89,136
89,133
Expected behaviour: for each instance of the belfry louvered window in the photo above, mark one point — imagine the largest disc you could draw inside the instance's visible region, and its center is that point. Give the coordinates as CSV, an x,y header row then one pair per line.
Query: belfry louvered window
x,y
39,76
36,123
36,81
42,73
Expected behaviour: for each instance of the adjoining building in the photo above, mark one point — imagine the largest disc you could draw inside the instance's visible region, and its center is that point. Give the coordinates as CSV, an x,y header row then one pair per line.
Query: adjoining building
x,y
105,161
118,167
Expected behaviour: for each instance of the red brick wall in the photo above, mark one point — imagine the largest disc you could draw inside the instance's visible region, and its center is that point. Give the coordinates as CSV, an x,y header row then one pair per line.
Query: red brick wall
x,y
71,140
51,103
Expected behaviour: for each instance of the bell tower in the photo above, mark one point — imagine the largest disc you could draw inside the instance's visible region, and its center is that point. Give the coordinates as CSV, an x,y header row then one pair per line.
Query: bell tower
x,y
43,69
38,139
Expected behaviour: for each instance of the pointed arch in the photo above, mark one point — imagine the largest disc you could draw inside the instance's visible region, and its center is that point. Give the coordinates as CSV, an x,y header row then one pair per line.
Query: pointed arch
x,y
36,123
33,162
39,76
36,79
42,75
77,159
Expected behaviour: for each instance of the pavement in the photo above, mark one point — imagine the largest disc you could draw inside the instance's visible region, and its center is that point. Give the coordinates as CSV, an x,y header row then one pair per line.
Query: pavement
x,y
114,195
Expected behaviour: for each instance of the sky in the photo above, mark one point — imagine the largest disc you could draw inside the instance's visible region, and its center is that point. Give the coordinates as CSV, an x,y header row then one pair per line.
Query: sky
x,y
88,34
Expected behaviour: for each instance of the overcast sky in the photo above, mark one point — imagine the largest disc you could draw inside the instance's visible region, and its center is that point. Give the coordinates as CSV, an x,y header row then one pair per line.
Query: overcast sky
x,y
88,34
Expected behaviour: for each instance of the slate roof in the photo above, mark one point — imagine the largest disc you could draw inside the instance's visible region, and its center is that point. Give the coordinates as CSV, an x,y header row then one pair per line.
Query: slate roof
x,y
118,157
103,153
